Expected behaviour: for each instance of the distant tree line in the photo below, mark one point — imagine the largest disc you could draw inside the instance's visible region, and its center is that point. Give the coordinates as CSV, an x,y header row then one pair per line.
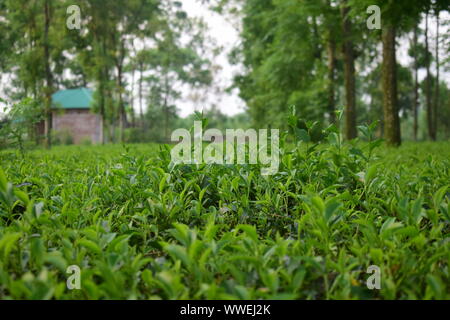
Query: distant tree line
x,y
152,42
320,54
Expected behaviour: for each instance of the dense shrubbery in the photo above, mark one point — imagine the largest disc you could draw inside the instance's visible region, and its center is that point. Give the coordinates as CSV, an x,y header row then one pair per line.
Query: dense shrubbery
x,y
141,228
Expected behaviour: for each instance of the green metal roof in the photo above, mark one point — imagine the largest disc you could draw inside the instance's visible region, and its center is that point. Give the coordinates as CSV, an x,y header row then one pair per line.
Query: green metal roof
x,y
80,98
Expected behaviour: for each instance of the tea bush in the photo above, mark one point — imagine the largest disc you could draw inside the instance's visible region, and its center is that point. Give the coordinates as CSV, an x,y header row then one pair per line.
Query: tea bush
x,y
141,228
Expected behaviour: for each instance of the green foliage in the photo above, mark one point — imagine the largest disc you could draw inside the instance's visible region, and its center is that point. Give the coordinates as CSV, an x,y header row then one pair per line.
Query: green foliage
x,y
282,51
293,55
21,123
140,228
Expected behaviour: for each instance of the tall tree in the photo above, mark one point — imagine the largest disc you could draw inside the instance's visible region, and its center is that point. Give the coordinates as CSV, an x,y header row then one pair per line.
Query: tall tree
x,y
48,76
398,16
416,85
331,21
39,48
349,73
389,82
428,94
437,85
331,52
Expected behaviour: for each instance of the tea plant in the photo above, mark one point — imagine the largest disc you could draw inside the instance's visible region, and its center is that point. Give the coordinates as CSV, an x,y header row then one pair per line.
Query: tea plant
x,y
141,228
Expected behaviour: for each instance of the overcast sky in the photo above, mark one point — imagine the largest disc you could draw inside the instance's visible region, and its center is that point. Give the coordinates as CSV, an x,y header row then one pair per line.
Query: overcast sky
x,y
227,37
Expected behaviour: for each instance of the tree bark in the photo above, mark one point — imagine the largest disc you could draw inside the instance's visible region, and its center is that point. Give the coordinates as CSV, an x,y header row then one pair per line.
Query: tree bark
x,y
102,75
102,103
49,80
436,99
317,51
349,74
331,78
141,77
416,87
122,114
133,118
166,109
102,79
389,79
428,85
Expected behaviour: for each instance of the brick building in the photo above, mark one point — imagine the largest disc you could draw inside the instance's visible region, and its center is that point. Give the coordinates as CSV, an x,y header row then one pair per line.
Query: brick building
x,y
72,115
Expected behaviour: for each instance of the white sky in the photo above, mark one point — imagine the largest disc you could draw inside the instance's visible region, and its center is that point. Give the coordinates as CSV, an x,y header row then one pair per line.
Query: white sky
x,y
227,37
403,46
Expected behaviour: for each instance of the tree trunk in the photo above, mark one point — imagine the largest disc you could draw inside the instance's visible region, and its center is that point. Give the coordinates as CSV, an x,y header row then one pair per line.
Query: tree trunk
x,y
122,114
101,78
112,131
141,77
416,87
331,78
49,80
317,51
349,75
428,85
166,109
436,99
133,118
102,103
389,79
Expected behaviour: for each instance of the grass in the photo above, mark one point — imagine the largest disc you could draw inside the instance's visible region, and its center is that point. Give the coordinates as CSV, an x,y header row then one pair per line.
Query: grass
x,y
141,229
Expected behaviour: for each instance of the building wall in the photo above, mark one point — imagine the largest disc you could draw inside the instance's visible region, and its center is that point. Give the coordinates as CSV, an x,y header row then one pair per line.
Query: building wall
x,y
81,124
